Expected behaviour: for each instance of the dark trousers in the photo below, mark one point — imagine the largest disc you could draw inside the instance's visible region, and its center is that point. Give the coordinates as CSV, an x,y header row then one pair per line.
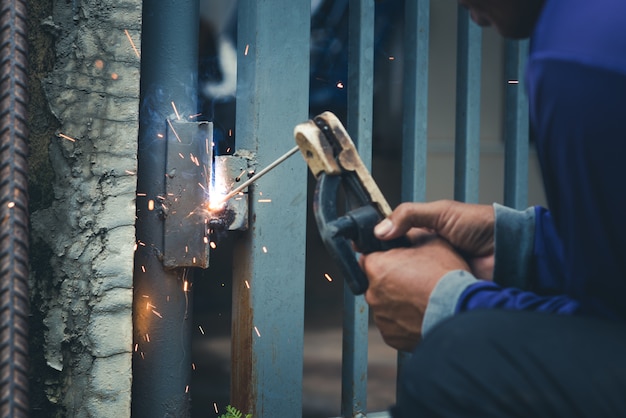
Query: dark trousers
x,y
516,364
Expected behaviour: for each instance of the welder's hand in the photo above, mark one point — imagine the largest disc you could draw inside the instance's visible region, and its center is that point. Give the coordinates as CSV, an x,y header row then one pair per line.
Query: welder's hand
x,y
468,227
401,281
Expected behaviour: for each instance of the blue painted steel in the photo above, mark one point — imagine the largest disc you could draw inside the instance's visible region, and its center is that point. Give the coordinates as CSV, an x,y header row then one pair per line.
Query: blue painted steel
x,y
162,333
415,101
415,118
516,126
269,260
359,126
467,149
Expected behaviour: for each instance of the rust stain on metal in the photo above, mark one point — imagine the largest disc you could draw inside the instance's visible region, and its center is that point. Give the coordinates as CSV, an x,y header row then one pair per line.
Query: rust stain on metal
x,y
242,386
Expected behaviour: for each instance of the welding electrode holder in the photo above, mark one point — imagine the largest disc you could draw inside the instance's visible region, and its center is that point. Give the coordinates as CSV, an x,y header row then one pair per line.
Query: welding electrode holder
x,y
335,163
340,232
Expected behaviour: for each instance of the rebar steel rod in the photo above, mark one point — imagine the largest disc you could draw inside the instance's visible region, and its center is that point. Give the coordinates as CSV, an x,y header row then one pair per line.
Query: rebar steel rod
x,y
14,300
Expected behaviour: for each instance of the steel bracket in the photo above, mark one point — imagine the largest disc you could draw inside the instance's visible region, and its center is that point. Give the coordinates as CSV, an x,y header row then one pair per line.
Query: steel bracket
x,y
187,180
192,178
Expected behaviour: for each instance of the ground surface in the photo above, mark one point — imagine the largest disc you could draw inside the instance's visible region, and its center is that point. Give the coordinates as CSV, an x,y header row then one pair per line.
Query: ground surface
x,y
322,370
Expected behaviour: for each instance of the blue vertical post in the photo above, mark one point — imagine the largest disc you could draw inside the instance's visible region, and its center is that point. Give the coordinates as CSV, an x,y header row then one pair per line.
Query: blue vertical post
x,y
467,149
269,259
516,126
161,301
415,118
359,126
415,105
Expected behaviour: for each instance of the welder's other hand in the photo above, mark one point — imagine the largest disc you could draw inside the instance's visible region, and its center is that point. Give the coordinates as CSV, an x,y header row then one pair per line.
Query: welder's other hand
x,y
400,283
468,227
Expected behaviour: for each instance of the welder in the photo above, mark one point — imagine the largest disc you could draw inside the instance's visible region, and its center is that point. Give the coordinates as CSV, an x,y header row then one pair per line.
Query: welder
x,y
523,313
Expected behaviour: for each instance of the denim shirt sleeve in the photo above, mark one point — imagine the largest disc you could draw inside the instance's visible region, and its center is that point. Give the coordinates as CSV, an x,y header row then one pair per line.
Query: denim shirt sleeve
x,y
514,235
444,298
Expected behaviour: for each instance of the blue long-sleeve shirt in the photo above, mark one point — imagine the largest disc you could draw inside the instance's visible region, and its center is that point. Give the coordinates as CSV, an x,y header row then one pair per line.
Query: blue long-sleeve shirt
x,y
572,259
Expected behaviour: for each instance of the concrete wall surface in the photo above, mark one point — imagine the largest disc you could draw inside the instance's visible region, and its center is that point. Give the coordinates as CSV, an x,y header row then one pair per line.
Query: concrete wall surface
x,y
82,295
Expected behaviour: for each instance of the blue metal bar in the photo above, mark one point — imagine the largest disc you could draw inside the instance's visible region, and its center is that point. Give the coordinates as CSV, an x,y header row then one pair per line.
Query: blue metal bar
x,y
415,120
268,267
359,126
516,127
415,117
467,149
162,334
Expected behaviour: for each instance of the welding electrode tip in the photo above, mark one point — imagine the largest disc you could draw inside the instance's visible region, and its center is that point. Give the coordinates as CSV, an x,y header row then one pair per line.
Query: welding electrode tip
x,y
260,173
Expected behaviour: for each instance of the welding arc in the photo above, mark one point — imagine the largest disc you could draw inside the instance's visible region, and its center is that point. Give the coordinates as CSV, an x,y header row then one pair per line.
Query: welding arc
x,y
260,173
14,231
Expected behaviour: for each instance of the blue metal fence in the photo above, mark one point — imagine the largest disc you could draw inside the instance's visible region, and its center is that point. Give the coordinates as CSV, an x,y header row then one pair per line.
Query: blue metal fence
x,y
273,65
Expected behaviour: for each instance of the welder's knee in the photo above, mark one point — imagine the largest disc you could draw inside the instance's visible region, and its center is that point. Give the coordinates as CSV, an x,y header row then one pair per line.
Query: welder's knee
x,y
440,377
498,363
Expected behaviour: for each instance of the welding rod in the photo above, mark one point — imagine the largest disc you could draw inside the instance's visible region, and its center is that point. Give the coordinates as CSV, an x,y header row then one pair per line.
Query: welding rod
x,y
260,173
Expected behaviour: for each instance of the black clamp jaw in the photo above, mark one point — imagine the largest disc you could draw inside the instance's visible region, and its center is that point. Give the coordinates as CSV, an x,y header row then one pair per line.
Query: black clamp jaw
x,y
343,182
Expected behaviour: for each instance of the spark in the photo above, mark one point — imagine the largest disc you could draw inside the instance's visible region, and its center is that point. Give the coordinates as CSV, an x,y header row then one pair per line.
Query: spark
x,y
130,172
392,58
194,159
213,245
330,279
257,331
513,81
247,284
143,244
201,329
150,204
69,138
180,154
157,313
99,64
185,286
149,305
11,205
132,43
147,337
176,111
194,116
230,133
238,178
193,366
159,135
264,200
215,406
141,194
245,52
169,122
136,347
264,249
143,357
114,76
340,84
187,389
143,269
206,240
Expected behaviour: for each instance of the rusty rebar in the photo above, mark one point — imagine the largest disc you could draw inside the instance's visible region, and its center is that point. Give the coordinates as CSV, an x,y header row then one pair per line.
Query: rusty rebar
x,y
14,300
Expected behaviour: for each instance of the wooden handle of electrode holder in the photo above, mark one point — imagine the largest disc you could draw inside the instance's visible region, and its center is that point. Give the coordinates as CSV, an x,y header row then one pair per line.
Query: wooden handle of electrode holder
x,y
319,156
315,149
